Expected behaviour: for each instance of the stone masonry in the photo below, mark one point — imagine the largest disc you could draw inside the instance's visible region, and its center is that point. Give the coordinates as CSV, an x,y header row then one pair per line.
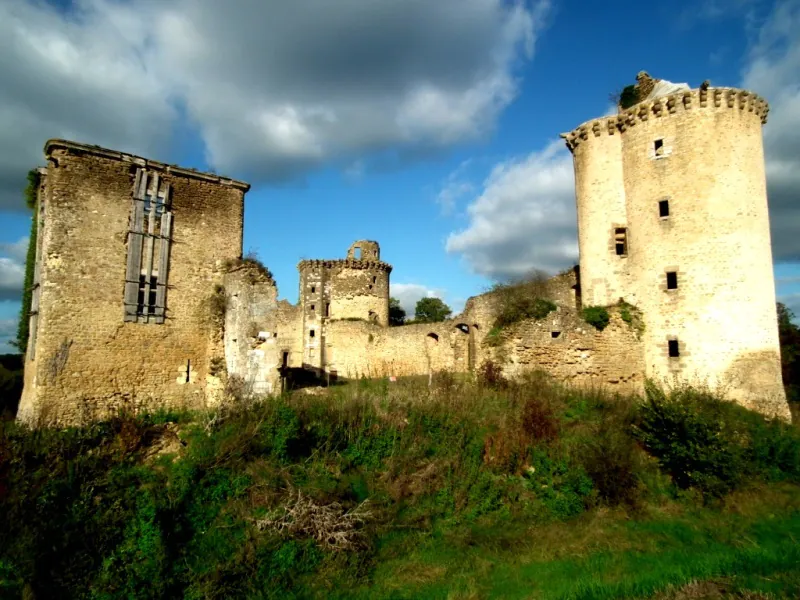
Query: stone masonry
x,y
142,297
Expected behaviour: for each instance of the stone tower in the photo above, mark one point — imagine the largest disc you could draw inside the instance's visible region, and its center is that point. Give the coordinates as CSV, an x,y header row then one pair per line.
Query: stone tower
x,y
128,252
354,288
672,217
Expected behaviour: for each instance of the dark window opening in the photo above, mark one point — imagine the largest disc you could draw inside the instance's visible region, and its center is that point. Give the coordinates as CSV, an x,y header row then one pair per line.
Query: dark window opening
x,y
555,334
285,362
659,147
463,327
674,351
434,337
663,208
621,241
327,309
188,370
311,333
312,307
374,279
313,289
146,299
369,286
672,280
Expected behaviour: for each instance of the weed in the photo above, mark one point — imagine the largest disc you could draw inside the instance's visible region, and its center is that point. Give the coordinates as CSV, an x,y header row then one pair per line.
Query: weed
x,y
596,316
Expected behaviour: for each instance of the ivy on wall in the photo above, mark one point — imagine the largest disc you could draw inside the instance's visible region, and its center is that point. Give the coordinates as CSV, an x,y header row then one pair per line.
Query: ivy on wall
x,y
30,262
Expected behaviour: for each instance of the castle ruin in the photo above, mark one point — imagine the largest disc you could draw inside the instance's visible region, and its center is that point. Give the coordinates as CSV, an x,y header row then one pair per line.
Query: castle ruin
x,y
142,297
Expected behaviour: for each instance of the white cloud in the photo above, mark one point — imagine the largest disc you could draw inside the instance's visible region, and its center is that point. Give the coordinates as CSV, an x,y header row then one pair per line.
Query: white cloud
x,y
410,293
275,88
17,251
524,218
12,276
773,71
8,333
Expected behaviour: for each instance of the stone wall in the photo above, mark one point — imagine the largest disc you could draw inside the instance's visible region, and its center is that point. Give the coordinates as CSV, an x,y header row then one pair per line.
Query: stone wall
x,y
252,350
86,358
571,350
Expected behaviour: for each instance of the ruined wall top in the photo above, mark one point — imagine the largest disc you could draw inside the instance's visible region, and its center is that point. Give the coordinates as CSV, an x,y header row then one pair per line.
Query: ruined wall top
x,y
665,106
364,250
54,144
345,263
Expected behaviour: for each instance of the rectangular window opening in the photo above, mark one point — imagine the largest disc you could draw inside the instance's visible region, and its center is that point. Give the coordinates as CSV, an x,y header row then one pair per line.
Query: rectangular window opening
x,y
658,146
674,350
672,280
663,208
313,289
146,300
357,252
312,307
311,333
621,241
327,309
555,334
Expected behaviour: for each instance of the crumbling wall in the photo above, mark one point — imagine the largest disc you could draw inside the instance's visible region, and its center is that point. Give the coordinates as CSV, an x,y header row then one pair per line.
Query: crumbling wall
x,y
252,350
88,359
571,350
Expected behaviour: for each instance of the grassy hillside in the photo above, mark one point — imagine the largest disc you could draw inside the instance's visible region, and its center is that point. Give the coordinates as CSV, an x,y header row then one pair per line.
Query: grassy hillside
x,y
466,489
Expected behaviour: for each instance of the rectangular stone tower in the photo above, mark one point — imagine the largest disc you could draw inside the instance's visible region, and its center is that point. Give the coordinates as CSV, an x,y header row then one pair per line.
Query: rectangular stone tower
x,y
128,254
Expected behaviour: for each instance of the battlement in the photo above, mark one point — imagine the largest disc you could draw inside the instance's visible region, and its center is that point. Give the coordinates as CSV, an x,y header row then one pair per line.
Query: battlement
x,y
345,263
54,144
701,98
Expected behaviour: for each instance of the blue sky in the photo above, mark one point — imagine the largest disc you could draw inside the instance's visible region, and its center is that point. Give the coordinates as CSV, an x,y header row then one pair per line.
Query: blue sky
x,y
430,127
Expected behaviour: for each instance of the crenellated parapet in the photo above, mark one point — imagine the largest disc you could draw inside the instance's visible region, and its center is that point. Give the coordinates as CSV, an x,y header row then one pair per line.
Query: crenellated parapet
x,y
345,263
702,98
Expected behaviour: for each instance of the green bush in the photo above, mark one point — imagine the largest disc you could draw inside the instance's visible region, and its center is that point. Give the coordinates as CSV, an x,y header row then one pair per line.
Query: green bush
x,y
712,445
596,316
628,97
526,299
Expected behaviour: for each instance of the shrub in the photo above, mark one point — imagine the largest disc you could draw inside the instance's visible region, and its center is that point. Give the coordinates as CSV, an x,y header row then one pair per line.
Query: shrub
x,y
491,375
628,97
524,300
610,461
596,316
538,420
694,442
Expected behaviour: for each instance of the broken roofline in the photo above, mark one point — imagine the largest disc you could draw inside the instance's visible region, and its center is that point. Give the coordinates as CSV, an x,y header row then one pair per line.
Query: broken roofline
x,y
144,162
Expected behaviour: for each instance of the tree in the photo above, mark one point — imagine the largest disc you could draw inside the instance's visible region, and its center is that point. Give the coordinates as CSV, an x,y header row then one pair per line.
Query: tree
x,y
789,335
431,310
397,316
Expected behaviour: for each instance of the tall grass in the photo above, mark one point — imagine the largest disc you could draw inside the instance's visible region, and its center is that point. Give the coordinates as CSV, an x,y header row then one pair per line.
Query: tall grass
x,y
382,489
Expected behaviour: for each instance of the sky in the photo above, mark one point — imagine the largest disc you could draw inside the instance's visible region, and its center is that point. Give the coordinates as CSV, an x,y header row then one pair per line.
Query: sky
x,y
431,127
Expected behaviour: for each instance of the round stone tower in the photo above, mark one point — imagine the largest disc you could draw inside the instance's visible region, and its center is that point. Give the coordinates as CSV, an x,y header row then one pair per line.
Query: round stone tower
x,y
354,288
675,221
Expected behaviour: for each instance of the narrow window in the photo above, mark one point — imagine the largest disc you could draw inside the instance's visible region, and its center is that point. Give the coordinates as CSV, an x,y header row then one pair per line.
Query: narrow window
x,y
188,370
146,299
148,249
327,309
555,334
659,147
374,279
285,360
621,241
663,208
312,307
357,252
311,333
672,280
313,289
674,351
